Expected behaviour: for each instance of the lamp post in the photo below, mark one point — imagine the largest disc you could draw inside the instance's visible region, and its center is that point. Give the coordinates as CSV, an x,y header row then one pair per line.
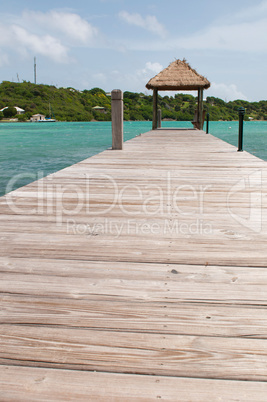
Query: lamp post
x,y
241,112
207,122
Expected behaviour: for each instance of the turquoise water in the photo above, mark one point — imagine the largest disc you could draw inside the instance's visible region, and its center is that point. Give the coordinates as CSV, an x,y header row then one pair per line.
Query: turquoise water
x,y
254,138
31,150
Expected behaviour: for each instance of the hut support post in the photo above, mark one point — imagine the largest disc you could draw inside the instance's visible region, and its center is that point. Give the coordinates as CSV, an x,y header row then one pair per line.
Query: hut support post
x,y
117,118
155,109
201,120
198,107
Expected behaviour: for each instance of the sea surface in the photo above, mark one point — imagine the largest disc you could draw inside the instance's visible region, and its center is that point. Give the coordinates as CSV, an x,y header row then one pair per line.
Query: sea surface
x,y
32,150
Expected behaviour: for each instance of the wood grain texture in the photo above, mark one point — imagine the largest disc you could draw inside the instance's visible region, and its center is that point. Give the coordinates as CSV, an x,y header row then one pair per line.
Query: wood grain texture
x,y
129,352
147,265
28,384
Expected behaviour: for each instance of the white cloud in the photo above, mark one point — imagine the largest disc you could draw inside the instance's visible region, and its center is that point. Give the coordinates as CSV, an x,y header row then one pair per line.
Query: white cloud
x,y
247,36
150,68
244,31
150,22
23,42
135,80
49,34
226,92
45,45
73,27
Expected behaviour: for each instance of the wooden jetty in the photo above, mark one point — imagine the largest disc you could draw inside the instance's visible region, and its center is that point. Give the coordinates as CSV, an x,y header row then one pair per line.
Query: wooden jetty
x,y
138,274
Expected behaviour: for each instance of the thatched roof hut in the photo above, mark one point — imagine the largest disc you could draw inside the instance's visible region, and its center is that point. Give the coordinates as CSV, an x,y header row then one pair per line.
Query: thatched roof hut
x,y
179,76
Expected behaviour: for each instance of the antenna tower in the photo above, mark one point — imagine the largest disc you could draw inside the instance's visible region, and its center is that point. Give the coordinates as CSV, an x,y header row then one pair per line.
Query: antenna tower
x,y
35,70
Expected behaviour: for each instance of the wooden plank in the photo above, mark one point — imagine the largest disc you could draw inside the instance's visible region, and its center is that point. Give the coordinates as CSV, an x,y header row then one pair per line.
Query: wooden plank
x,y
152,282
137,290
201,318
28,384
124,352
137,248
174,273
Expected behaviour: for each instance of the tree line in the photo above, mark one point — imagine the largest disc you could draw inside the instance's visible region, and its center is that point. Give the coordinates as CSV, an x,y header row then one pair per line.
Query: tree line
x,y
69,104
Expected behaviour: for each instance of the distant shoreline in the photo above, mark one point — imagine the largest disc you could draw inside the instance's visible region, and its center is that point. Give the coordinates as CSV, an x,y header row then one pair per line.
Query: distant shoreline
x,y
100,121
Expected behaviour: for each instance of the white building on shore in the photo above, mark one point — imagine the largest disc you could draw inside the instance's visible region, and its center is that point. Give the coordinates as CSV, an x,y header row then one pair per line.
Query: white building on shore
x,y
18,109
38,117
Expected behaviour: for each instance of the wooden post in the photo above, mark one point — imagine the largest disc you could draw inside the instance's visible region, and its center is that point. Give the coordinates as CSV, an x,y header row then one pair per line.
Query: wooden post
x,y
200,109
201,122
155,109
159,118
117,118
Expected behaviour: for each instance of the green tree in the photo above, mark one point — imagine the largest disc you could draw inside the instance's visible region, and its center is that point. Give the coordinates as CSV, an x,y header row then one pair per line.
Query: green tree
x,y
9,112
22,117
95,91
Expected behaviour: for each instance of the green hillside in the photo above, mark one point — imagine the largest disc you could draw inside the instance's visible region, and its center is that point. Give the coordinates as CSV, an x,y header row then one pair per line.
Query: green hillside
x,y
69,104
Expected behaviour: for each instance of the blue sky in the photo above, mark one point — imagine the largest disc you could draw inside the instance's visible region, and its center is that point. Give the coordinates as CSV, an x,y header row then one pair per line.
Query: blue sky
x,y
122,44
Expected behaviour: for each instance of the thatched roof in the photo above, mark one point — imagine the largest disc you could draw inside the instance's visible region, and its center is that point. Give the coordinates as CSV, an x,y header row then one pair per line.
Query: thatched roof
x,y
178,76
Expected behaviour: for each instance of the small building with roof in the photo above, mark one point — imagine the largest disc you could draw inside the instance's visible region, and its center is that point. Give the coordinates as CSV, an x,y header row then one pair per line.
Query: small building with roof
x,y
38,117
18,109
179,76
100,109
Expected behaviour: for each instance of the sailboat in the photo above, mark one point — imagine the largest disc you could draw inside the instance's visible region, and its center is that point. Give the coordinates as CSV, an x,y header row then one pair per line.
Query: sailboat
x,y
49,119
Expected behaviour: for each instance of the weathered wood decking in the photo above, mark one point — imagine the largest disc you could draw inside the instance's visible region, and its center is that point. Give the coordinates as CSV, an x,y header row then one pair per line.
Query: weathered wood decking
x,y
138,275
